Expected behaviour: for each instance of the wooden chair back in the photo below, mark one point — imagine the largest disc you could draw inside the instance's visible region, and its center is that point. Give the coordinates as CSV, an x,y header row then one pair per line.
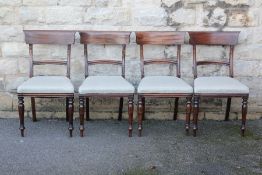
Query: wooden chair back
x,y
160,38
49,37
214,38
104,38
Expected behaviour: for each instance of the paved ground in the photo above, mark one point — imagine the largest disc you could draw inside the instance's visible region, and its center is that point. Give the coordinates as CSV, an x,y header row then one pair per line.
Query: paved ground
x,y
106,149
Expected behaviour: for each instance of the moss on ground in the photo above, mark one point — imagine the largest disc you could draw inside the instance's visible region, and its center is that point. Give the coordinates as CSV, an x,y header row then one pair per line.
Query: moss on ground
x,y
231,133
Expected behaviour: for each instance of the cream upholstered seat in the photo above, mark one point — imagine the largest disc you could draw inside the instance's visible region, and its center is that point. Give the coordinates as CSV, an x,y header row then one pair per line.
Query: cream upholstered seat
x,y
163,84
219,85
47,84
106,85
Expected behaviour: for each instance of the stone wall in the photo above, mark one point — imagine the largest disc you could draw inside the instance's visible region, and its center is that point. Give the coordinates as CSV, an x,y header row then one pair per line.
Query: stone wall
x,y
130,15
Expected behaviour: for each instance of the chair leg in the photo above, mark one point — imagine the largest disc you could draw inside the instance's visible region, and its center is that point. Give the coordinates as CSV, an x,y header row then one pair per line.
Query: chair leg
x,y
21,109
70,115
144,107
228,109
130,115
140,116
120,109
33,109
188,113
67,119
175,109
244,115
87,109
81,115
195,115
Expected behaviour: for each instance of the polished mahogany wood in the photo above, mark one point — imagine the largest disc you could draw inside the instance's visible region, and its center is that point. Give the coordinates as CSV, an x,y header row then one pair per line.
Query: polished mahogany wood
x,y
161,38
33,109
46,95
228,109
144,107
244,114
195,114
160,61
105,38
113,95
21,110
112,38
229,39
213,62
48,37
67,114
121,102
188,113
70,115
213,38
50,62
53,62
175,109
81,113
100,61
130,114
87,109
140,115
166,95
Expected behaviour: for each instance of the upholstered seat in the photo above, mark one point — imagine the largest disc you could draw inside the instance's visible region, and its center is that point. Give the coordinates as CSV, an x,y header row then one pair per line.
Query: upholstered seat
x,y
163,84
46,84
219,85
106,85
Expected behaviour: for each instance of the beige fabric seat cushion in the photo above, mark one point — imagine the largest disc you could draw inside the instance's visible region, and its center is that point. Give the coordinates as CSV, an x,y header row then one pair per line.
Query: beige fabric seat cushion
x,y
106,85
163,84
219,85
47,84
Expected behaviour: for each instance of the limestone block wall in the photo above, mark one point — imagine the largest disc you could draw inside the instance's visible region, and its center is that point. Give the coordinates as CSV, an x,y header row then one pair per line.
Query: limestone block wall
x,y
130,15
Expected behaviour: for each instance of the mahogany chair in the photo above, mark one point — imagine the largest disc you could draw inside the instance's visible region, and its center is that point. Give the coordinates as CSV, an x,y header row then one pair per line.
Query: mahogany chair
x,y
162,86
105,86
47,86
217,86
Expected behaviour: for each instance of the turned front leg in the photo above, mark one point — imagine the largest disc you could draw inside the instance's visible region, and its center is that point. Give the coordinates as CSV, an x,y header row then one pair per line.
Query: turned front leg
x,y
188,113
130,115
195,115
140,116
244,115
67,118
81,115
21,109
70,115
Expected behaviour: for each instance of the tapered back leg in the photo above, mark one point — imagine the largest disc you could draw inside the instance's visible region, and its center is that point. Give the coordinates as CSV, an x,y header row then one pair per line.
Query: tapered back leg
x,y
228,109
175,109
33,109
120,109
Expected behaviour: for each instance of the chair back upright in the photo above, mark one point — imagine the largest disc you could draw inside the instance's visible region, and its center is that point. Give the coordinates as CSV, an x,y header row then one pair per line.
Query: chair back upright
x,y
53,37
214,38
160,38
104,38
